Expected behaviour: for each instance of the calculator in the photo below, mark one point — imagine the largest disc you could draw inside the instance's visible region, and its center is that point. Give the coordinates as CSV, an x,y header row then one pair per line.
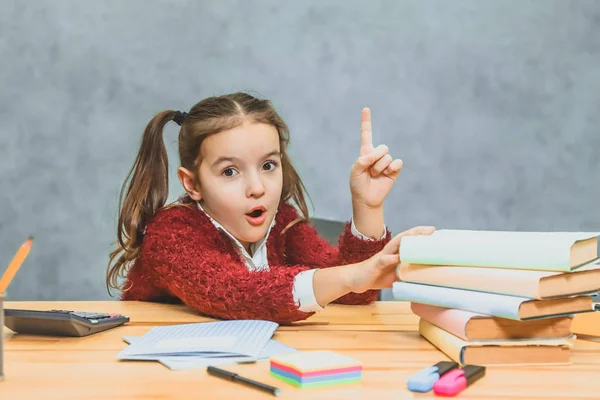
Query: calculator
x,y
61,322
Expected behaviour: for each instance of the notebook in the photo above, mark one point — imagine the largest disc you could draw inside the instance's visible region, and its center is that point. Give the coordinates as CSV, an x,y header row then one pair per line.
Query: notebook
x,y
241,338
273,348
545,251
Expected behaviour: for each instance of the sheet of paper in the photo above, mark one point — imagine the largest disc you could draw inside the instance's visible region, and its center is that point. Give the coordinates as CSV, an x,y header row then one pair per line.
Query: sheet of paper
x,y
272,348
246,338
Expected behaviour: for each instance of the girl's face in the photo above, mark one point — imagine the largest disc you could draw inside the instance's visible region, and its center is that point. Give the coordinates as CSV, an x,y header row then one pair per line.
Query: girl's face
x,y
241,179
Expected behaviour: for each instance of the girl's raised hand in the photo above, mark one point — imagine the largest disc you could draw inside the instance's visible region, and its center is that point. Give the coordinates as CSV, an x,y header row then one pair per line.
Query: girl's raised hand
x,y
374,172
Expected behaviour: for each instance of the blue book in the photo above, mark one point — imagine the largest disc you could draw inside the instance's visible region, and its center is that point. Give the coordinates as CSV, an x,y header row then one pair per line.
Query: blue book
x,y
497,305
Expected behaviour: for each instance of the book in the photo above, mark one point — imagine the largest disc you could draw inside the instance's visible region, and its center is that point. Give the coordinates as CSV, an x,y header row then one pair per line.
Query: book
x,y
587,325
545,251
501,352
471,326
497,305
515,282
245,338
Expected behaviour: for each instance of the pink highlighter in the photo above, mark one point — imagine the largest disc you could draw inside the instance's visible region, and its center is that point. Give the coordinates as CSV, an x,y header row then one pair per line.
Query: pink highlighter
x,y
457,380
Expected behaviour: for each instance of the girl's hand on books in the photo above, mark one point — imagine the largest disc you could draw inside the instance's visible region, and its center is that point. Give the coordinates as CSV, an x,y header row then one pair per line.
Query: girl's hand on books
x,y
374,172
379,271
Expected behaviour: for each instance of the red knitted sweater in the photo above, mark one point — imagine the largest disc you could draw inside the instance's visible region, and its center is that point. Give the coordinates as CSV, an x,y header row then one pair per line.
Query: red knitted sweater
x,y
185,258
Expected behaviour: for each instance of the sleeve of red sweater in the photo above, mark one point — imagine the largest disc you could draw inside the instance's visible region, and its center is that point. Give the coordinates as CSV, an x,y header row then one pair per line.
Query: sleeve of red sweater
x,y
305,246
213,281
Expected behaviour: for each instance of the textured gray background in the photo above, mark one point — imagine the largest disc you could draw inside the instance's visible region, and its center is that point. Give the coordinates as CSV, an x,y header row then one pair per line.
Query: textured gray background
x,y
493,106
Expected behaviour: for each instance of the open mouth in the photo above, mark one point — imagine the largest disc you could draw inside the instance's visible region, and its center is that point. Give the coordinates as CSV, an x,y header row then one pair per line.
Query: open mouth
x,y
257,216
256,212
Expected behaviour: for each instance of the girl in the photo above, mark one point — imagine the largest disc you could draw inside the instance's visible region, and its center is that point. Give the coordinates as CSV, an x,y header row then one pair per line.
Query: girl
x,y
236,246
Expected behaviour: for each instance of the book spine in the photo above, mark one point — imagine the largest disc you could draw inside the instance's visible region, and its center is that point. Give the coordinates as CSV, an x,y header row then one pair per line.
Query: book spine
x,y
444,341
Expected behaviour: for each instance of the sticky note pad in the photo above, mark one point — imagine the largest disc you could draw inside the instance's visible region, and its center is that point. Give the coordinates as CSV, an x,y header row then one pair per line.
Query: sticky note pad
x,y
318,368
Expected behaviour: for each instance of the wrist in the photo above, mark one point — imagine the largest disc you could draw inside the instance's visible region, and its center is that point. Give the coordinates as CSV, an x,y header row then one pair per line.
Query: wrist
x,y
349,276
353,281
368,220
332,283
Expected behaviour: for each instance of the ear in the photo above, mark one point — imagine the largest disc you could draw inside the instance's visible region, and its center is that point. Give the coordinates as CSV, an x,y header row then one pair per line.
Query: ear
x,y
186,177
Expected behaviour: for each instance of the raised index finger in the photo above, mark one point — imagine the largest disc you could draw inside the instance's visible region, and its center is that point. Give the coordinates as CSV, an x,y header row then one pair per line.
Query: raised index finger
x,y
365,129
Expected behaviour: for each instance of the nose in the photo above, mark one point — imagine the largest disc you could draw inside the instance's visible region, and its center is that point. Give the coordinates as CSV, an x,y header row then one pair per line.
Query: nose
x,y
254,186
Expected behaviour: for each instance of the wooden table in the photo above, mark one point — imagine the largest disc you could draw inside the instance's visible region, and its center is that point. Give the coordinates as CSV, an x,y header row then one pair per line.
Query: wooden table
x,y
383,336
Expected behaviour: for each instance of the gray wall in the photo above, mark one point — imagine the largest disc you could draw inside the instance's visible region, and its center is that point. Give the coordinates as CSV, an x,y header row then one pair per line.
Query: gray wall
x,y
493,106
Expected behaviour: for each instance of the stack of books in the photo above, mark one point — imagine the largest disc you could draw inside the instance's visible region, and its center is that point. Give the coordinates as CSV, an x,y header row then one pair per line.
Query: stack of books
x,y
497,297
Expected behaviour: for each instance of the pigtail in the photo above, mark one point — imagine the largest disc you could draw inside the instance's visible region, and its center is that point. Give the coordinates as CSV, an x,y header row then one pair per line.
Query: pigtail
x,y
293,190
144,191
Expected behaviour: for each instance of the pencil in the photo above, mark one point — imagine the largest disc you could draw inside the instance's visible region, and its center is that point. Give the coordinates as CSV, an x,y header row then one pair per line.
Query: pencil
x,y
15,264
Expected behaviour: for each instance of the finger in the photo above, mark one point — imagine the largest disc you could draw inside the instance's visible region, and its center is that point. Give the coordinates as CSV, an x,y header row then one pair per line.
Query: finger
x,y
389,259
419,230
381,164
399,269
394,168
371,158
392,246
366,135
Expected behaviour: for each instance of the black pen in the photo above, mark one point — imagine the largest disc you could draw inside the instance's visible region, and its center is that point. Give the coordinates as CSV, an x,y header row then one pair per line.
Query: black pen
x,y
221,373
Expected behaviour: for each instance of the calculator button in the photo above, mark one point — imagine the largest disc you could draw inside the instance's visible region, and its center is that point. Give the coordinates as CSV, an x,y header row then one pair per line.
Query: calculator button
x,y
88,315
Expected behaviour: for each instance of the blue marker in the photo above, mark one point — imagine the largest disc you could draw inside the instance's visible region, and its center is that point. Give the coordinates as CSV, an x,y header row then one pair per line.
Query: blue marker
x,y
423,380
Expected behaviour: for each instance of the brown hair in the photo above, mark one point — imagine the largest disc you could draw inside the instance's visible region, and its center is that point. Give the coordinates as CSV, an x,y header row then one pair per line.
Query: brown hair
x,y
148,186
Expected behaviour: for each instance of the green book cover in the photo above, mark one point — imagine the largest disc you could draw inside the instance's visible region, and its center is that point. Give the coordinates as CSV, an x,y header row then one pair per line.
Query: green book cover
x,y
547,251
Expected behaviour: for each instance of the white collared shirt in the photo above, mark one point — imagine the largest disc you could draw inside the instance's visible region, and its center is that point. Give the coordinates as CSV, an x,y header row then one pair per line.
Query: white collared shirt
x,y
303,290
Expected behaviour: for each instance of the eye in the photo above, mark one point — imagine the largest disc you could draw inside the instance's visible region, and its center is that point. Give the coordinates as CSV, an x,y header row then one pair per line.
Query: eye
x,y
269,165
229,172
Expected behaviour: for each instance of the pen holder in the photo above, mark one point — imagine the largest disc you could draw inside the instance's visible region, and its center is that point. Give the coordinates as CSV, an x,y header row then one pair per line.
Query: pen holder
x,y
1,337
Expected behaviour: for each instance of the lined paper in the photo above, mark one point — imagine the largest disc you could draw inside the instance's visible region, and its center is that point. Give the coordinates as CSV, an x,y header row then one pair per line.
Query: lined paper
x,y
273,348
210,339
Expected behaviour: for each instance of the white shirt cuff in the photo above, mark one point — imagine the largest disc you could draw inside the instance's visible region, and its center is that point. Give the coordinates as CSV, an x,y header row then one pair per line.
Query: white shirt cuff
x,y
356,233
304,292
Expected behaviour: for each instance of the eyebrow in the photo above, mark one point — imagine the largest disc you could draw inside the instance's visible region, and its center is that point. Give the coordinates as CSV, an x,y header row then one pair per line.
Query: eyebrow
x,y
231,159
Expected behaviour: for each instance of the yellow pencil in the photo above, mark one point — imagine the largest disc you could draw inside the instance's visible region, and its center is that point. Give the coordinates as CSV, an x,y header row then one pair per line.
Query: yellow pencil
x,y
15,264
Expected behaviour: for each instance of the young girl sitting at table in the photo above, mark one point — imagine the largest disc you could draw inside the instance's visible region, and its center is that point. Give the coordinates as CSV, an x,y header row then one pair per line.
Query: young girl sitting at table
x,y
239,244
